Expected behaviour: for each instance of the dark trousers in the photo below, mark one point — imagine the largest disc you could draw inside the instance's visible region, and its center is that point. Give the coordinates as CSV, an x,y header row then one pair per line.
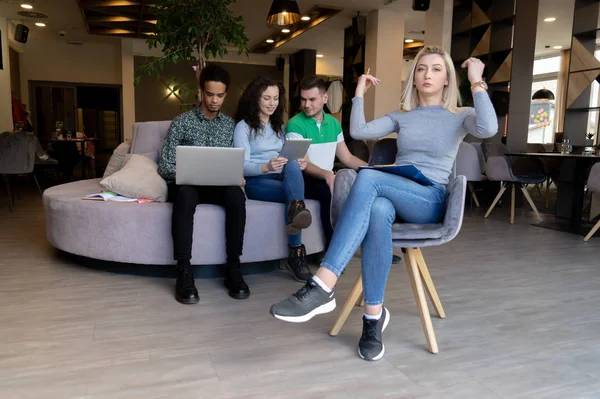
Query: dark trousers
x,y
185,199
317,189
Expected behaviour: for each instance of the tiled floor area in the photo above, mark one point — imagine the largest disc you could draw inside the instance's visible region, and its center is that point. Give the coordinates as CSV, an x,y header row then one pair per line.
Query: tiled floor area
x,y
522,306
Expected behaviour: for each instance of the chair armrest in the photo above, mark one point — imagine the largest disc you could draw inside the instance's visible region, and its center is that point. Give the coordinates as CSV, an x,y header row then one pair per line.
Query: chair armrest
x,y
344,180
497,169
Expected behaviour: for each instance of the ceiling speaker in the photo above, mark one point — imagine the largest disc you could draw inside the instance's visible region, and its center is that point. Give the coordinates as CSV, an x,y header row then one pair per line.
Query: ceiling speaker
x,y
21,33
420,5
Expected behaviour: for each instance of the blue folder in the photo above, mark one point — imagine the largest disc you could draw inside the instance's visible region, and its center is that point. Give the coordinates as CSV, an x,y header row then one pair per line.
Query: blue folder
x,y
407,171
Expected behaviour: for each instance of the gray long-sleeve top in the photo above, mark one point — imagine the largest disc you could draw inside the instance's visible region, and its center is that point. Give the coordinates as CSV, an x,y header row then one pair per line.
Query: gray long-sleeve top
x,y
428,136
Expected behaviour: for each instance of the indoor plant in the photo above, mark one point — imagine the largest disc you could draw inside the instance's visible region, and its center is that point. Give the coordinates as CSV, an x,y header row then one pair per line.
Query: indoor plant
x,y
193,30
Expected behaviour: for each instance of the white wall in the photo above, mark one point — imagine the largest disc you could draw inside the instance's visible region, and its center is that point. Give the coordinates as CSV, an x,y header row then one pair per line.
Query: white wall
x,y
55,60
384,56
330,66
6,122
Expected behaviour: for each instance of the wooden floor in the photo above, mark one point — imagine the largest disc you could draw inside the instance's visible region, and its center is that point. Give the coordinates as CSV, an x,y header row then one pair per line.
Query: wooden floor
x,y
523,321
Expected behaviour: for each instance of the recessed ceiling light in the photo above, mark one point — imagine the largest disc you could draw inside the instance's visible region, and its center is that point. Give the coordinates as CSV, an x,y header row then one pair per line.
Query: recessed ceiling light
x,y
26,6
40,24
408,40
270,41
285,31
557,47
305,18
549,19
319,55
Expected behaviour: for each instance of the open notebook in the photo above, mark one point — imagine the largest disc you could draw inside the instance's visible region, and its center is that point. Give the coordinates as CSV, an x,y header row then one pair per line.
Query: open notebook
x,y
408,171
108,196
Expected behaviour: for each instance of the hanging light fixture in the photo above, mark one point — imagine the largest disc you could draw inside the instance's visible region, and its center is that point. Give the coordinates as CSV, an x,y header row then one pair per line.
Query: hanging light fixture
x,y
283,13
543,94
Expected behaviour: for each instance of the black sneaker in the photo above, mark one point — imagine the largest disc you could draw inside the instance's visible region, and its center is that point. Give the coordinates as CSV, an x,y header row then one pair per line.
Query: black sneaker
x,y
297,265
309,301
298,217
370,346
185,287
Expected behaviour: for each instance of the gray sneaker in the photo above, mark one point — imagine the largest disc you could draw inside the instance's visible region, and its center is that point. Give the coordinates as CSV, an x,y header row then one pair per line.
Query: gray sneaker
x,y
309,301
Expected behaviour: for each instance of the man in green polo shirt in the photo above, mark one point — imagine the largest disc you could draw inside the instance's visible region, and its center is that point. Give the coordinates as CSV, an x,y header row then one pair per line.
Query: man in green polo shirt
x,y
327,144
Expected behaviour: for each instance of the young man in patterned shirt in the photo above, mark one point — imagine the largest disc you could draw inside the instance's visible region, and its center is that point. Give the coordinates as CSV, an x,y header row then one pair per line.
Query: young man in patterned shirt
x,y
204,126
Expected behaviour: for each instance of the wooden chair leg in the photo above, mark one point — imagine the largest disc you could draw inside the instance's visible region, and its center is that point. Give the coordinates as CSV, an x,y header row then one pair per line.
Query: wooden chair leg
x,y
473,195
537,186
528,197
37,184
512,204
361,300
9,193
347,308
548,182
502,189
592,231
417,286
431,291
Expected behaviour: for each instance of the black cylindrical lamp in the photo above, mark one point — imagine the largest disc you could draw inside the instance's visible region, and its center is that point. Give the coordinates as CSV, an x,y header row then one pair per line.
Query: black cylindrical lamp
x,y
543,94
283,13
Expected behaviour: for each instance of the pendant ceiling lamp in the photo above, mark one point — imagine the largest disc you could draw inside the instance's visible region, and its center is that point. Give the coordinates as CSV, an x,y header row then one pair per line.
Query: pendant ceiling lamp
x,y
283,13
543,94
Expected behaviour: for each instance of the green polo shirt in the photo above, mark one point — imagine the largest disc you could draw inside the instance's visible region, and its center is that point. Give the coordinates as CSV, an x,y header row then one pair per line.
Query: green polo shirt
x,y
325,136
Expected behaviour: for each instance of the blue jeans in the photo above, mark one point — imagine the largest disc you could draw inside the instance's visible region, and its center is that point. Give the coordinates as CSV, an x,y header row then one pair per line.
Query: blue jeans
x,y
281,187
375,201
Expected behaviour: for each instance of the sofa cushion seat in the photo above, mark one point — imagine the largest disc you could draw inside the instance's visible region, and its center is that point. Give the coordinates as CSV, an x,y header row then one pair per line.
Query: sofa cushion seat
x,y
141,233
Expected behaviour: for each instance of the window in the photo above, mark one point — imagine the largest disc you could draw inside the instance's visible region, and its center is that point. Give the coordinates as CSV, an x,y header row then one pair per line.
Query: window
x,y
541,117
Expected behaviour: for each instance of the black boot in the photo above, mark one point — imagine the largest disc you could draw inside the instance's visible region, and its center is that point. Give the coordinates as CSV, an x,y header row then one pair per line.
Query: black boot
x,y
297,264
185,289
298,217
235,284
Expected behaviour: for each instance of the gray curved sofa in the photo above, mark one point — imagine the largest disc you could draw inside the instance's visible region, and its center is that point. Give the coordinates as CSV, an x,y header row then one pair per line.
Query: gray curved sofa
x,y
141,233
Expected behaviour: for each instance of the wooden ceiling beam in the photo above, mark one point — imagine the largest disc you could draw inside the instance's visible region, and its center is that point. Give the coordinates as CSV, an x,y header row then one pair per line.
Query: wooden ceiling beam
x,y
319,15
109,3
110,19
113,32
116,12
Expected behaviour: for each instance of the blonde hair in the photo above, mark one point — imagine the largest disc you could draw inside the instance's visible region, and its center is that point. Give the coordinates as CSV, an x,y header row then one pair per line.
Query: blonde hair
x,y
450,95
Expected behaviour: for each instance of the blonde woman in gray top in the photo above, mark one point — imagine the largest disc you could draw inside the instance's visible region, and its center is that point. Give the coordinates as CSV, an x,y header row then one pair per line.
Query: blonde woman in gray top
x,y
430,127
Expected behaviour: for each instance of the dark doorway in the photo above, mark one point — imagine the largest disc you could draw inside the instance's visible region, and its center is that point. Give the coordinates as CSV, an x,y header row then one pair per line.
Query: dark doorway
x,y
91,109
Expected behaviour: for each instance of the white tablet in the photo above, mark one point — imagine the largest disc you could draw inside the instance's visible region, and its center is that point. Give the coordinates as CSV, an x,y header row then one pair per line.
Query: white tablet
x,y
294,149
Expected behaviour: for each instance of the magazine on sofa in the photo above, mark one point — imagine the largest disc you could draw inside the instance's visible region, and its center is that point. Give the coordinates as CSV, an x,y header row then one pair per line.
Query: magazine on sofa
x,y
108,196
409,171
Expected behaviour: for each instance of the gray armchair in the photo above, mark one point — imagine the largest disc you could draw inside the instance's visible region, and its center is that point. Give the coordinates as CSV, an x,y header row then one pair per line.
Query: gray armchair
x,y
17,157
468,165
501,168
593,184
409,237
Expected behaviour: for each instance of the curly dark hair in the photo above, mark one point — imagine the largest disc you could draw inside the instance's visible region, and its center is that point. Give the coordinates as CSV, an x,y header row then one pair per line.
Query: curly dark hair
x,y
249,109
214,73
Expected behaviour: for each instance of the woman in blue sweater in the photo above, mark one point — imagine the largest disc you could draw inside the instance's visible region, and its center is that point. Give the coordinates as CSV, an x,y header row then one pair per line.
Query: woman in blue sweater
x,y
269,177
430,127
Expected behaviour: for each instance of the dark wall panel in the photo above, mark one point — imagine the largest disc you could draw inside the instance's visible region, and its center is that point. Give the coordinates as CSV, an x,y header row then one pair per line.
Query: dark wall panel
x,y
152,102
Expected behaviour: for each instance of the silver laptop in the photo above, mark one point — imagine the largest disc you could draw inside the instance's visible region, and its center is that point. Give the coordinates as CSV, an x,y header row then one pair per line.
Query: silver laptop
x,y
209,166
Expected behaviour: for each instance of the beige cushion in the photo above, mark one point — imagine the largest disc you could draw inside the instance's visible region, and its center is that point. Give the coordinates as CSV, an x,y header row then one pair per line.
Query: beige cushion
x,y
117,160
139,178
152,155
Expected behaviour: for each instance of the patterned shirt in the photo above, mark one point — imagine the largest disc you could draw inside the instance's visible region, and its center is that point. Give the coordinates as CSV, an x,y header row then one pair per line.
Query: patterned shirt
x,y
192,128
